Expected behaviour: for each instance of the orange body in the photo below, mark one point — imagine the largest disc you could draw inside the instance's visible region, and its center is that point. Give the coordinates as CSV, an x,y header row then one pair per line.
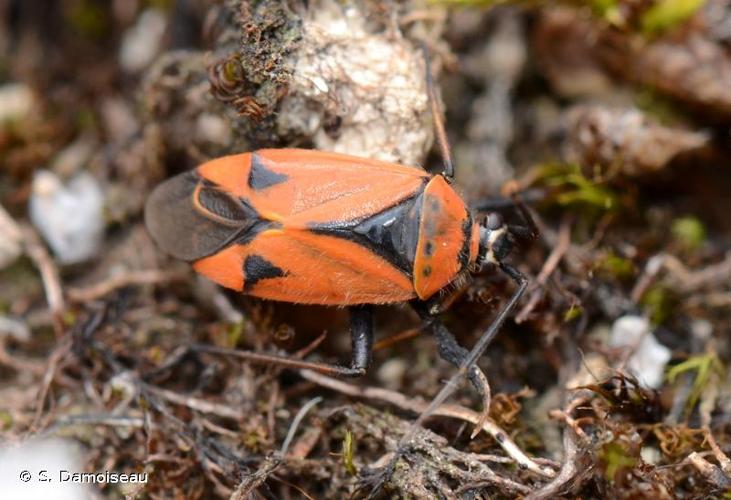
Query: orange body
x,y
314,227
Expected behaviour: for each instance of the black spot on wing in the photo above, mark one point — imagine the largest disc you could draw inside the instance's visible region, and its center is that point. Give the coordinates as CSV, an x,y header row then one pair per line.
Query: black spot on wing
x,y
257,268
261,177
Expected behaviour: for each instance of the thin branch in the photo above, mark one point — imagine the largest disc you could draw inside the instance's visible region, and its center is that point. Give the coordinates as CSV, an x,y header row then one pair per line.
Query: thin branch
x,y
49,275
121,280
554,259
296,422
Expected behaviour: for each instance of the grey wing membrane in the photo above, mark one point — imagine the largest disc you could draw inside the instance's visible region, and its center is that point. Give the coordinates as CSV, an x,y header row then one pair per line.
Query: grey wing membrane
x,y
191,218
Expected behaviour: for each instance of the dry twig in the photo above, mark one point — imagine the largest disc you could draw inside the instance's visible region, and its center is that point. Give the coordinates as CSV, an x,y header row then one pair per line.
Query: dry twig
x,y
121,280
49,275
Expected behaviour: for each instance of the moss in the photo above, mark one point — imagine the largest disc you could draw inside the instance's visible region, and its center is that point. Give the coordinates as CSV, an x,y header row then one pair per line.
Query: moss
x,y
608,10
658,106
255,78
707,368
616,459
615,266
668,14
348,453
574,189
572,313
6,420
659,303
88,19
689,232
234,333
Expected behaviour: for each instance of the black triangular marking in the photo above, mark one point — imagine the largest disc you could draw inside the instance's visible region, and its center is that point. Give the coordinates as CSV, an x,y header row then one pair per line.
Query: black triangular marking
x,y
261,177
257,268
392,234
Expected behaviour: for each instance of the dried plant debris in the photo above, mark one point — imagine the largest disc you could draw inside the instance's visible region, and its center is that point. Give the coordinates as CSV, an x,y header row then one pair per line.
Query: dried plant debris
x,y
625,141
611,117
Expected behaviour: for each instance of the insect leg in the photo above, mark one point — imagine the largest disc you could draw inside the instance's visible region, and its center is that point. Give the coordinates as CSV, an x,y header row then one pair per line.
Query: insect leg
x,y
361,335
451,385
451,351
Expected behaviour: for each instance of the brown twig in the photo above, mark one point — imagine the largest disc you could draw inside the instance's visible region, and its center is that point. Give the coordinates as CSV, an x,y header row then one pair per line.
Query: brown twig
x,y
197,404
568,471
712,473
680,278
552,262
59,353
722,458
49,275
117,281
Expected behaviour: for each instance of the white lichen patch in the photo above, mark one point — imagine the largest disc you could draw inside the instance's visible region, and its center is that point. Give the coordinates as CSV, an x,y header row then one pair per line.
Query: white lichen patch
x,y
356,91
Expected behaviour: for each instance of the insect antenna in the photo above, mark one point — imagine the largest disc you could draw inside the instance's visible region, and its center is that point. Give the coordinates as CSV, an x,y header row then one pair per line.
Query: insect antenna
x,y
448,171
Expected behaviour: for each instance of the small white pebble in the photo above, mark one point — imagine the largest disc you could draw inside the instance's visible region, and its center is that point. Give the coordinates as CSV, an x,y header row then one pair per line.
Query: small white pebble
x,y
68,217
16,101
649,358
141,43
650,455
10,239
391,373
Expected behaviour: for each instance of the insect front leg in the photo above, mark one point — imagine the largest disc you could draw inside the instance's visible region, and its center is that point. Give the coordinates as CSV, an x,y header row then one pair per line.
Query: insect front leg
x,y
451,351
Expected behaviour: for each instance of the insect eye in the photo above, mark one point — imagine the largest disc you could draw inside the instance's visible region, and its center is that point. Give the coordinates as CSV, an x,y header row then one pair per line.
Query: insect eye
x,y
494,221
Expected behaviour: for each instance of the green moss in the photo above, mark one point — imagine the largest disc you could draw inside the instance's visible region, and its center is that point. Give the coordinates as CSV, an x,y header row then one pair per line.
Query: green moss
x,y
164,5
69,318
616,266
616,458
707,367
689,231
572,313
473,3
607,10
659,303
234,333
6,420
88,19
668,14
575,190
658,106
348,453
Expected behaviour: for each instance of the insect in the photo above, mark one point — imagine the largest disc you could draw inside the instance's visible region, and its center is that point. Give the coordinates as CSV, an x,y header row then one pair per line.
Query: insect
x,y
314,227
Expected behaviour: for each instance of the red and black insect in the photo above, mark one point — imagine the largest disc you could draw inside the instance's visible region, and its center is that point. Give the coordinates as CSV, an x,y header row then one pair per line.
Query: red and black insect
x,y
314,227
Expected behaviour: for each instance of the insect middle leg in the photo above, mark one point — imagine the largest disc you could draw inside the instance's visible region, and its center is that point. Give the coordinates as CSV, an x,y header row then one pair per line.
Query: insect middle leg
x,y
451,351
361,334
361,337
